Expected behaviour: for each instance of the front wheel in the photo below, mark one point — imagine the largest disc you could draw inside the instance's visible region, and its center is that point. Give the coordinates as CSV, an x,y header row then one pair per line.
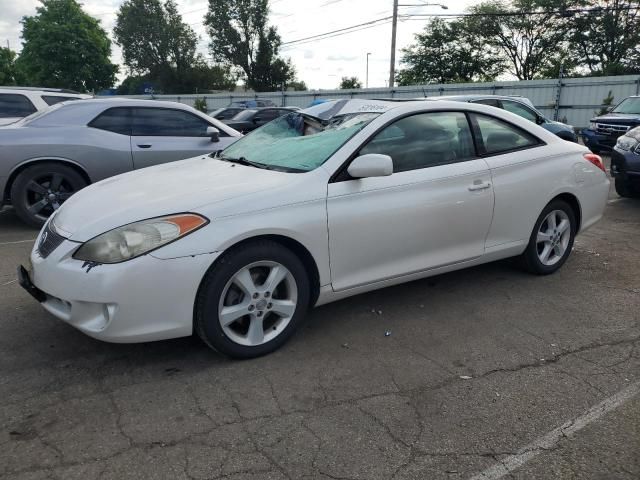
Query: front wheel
x,y
39,190
252,300
552,239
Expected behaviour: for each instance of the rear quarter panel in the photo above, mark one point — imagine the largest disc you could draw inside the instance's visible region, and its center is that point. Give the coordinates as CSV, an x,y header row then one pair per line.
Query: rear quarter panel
x,y
99,153
525,182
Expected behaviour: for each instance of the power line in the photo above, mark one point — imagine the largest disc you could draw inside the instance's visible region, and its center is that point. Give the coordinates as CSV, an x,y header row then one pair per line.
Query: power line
x,y
312,37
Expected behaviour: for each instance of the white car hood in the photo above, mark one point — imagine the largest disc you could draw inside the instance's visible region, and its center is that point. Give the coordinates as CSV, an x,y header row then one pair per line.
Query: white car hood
x,y
174,187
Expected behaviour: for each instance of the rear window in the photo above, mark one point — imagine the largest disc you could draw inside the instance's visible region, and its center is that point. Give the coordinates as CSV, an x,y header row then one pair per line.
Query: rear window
x,y
116,120
15,105
53,99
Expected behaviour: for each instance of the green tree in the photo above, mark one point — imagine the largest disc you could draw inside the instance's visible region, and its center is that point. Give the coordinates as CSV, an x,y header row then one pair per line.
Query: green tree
x,y
158,46
529,34
66,48
347,83
607,103
445,52
298,86
10,73
241,38
606,38
200,104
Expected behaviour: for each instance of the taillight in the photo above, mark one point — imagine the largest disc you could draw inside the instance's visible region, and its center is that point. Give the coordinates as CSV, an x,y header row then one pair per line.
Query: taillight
x,y
596,160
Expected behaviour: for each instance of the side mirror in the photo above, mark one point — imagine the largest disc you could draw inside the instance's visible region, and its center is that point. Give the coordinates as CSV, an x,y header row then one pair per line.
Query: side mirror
x,y
371,165
540,120
214,133
257,120
609,109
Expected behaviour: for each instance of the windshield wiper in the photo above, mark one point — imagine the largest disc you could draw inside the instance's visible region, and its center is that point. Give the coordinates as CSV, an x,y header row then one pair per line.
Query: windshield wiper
x,y
243,161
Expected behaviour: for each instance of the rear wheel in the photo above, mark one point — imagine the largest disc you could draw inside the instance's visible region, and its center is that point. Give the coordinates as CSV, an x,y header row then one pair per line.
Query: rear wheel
x,y
552,239
252,300
39,190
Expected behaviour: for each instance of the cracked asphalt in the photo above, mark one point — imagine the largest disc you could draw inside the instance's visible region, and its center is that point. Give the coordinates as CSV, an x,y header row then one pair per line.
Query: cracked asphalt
x,y
479,364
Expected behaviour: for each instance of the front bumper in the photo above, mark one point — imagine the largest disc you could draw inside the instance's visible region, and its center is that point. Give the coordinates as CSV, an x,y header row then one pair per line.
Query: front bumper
x,y
144,299
625,165
596,141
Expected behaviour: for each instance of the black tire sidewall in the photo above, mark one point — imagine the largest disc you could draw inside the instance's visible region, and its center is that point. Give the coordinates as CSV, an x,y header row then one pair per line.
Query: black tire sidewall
x,y
19,192
532,261
206,323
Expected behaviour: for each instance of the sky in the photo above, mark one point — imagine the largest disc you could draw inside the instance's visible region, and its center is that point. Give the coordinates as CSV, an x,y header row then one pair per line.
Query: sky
x,y
320,63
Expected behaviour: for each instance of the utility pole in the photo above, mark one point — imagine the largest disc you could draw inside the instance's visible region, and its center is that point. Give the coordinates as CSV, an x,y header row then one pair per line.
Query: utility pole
x,y
394,28
367,80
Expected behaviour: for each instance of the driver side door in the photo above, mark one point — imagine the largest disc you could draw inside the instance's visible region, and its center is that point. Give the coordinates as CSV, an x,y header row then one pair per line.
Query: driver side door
x,y
434,210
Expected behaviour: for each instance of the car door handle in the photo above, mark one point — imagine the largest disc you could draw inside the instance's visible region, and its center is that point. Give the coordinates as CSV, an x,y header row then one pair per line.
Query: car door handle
x,y
145,145
479,185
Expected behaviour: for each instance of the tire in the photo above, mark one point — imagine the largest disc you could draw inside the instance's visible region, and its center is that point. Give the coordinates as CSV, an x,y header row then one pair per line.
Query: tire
x,y
559,242
625,189
221,289
39,190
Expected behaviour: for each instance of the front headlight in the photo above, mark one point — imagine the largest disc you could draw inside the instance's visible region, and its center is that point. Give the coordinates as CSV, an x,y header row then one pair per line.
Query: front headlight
x,y
626,143
593,126
135,239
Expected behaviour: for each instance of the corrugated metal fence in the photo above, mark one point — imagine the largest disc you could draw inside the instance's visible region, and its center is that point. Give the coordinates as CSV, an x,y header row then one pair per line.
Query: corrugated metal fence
x,y
572,100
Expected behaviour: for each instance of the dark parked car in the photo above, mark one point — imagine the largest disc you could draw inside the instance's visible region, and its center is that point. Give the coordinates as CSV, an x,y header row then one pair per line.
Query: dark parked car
x,y
522,107
252,118
226,113
253,103
604,130
625,164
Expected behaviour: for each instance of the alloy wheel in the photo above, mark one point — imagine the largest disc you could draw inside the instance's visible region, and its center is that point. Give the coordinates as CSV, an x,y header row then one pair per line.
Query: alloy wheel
x,y
553,237
257,303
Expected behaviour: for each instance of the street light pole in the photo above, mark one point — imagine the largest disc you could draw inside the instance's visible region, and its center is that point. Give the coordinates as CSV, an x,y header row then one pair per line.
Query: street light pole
x,y
367,80
394,29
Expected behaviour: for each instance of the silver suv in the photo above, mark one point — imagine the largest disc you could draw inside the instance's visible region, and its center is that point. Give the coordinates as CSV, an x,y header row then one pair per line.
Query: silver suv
x,y
19,102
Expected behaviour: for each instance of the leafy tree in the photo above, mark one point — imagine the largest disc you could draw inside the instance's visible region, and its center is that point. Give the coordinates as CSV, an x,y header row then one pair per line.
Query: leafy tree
x,y
350,83
607,38
66,48
10,73
445,52
159,46
530,34
241,37
607,103
200,104
298,86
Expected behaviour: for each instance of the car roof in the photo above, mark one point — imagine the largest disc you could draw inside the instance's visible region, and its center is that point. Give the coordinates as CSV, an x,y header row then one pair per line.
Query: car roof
x,y
42,89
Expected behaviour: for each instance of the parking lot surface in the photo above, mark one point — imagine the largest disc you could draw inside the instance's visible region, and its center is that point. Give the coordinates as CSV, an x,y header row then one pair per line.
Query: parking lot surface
x,y
483,373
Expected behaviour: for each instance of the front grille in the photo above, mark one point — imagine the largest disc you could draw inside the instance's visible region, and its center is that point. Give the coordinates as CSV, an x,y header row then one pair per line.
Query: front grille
x,y
49,241
611,129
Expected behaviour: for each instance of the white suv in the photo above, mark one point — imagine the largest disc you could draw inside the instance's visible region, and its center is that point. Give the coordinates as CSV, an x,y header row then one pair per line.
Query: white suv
x,y
18,102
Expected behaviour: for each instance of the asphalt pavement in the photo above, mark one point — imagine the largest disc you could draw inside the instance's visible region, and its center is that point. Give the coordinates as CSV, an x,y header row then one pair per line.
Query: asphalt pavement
x,y
484,373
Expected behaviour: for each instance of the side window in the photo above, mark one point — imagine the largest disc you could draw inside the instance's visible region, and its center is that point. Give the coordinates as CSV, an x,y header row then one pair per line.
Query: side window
x,y
52,99
267,115
167,122
520,110
492,102
424,140
116,120
499,136
15,105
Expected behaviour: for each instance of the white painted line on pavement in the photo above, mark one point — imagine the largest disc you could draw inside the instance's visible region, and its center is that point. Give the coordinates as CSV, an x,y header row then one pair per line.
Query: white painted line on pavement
x,y
614,200
18,241
513,462
8,283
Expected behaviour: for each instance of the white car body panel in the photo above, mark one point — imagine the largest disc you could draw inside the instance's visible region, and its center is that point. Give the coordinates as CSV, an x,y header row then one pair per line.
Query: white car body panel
x,y
405,222
362,234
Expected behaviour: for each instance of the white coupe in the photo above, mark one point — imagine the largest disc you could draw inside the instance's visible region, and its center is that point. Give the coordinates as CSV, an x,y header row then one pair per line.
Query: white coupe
x,y
321,204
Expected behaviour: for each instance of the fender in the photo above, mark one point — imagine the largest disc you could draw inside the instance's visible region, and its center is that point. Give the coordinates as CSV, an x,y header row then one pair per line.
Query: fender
x,y
6,187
